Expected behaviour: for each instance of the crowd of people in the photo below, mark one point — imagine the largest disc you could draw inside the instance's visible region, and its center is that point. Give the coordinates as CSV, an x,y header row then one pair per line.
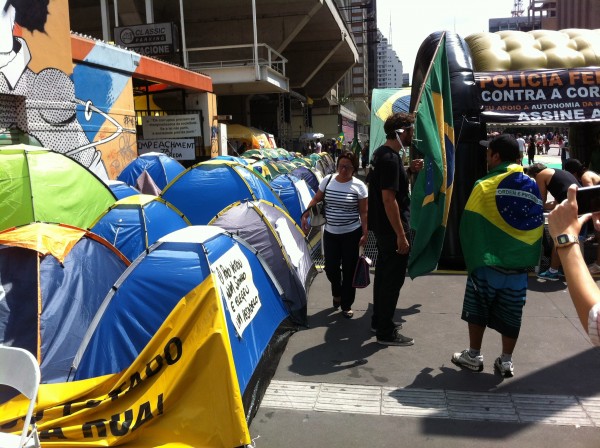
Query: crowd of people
x,y
497,262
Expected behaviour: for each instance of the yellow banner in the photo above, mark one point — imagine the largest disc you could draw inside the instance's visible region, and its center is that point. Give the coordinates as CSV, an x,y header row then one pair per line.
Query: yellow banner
x,y
181,391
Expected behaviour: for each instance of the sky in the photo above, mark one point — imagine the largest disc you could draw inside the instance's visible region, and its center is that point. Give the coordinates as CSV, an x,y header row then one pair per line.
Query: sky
x,y
413,20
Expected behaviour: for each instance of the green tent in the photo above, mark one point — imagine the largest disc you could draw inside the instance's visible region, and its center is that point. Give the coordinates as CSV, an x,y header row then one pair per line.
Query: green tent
x,y
37,184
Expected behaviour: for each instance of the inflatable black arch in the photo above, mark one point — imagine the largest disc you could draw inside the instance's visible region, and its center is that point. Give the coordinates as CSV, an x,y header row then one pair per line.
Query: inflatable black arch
x,y
470,117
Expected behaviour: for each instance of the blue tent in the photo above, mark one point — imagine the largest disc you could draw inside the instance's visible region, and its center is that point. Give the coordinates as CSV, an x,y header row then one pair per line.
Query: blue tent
x,y
158,281
308,175
53,278
161,168
203,190
232,159
135,223
121,190
162,280
295,194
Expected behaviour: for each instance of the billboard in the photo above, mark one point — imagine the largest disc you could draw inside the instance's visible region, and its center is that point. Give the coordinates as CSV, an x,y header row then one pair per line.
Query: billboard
x,y
151,39
540,96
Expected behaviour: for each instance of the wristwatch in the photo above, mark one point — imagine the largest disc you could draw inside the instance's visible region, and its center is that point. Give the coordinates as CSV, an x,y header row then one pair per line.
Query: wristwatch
x,y
565,239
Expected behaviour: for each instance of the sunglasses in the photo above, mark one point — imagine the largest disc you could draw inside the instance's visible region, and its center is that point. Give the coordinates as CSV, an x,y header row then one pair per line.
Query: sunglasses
x,y
402,129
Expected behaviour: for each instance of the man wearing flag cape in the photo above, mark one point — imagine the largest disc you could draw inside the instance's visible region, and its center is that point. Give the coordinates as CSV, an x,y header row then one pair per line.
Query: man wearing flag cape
x,y
500,234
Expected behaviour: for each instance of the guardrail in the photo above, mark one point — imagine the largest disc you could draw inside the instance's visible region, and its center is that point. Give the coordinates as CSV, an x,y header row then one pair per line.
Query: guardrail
x,y
200,58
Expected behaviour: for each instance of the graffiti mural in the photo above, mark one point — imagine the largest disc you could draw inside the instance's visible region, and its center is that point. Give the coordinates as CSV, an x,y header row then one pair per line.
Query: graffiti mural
x,y
81,111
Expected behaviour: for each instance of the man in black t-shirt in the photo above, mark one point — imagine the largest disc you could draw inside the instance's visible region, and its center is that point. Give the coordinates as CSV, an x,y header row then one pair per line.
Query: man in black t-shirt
x,y
389,212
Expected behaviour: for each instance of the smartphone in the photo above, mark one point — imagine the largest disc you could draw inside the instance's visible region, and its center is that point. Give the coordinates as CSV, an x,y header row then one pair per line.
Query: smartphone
x,y
588,199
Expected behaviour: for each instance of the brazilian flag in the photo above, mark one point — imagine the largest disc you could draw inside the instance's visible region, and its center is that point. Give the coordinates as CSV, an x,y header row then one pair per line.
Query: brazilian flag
x,y
503,221
356,148
432,191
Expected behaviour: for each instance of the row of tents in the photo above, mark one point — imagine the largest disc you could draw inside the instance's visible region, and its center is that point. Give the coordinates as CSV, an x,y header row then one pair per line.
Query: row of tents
x,y
167,312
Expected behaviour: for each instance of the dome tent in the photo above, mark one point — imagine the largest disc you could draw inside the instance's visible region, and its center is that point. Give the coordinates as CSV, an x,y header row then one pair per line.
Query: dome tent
x,y
121,190
203,190
182,381
273,233
135,223
166,279
63,271
308,175
295,194
161,168
37,184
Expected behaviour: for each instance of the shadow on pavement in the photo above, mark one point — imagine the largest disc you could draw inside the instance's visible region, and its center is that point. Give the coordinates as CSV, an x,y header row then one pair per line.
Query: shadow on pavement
x,y
550,381
540,285
343,347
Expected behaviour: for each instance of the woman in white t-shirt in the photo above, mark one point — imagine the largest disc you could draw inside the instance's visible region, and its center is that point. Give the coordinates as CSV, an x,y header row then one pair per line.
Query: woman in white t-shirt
x,y
345,199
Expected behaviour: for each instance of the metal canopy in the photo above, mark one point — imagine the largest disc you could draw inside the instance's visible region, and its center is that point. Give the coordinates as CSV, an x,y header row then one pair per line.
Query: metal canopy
x,y
303,45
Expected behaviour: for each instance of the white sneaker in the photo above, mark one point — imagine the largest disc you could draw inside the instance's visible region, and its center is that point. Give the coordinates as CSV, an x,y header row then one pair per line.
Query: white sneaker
x,y
504,368
594,268
464,359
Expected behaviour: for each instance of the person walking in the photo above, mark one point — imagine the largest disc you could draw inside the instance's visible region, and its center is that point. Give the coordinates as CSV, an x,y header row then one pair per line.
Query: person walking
x,y
521,142
531,151
556,182
500,234
345,198
389,217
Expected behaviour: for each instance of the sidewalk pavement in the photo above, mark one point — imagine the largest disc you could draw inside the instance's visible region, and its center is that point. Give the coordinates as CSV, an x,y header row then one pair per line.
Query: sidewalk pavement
x,y
336,387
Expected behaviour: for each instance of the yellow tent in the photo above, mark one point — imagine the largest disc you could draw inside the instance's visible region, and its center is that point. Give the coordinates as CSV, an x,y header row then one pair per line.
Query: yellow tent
x,y
254,138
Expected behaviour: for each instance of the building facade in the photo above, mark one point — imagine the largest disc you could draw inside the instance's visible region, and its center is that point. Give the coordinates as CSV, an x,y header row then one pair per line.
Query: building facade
x,y
389,65
564,14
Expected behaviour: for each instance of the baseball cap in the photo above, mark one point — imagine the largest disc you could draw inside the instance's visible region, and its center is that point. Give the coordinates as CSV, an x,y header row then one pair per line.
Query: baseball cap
x,y
504,144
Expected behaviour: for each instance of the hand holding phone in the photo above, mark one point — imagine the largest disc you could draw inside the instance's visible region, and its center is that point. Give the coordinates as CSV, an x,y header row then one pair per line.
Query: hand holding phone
x,y
588,199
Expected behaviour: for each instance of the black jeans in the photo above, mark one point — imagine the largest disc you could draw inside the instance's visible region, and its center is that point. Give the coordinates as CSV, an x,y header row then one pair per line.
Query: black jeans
x,y
390,272
341,250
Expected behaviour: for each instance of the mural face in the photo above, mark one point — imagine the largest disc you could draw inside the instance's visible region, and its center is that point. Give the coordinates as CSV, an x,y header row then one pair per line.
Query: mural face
x,y
7,22
68,113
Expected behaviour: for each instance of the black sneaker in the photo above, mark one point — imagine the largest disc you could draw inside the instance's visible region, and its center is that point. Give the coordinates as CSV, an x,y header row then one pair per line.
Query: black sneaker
x,y
396,339
374,330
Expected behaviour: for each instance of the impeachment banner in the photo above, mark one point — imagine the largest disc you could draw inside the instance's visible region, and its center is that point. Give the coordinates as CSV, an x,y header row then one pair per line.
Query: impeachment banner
x,y
540,96
181,391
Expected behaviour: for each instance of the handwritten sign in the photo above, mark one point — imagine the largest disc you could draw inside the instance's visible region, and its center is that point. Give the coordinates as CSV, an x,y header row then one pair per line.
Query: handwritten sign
x,y
178,149
234,277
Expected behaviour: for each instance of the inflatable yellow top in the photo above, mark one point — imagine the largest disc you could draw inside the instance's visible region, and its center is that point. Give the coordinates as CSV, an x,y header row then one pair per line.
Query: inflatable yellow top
x,y
533,50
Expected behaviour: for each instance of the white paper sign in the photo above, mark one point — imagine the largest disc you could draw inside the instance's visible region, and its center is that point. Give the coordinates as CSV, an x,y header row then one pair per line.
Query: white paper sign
x,y
234,277
282,227
171,126
304,191
178,149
